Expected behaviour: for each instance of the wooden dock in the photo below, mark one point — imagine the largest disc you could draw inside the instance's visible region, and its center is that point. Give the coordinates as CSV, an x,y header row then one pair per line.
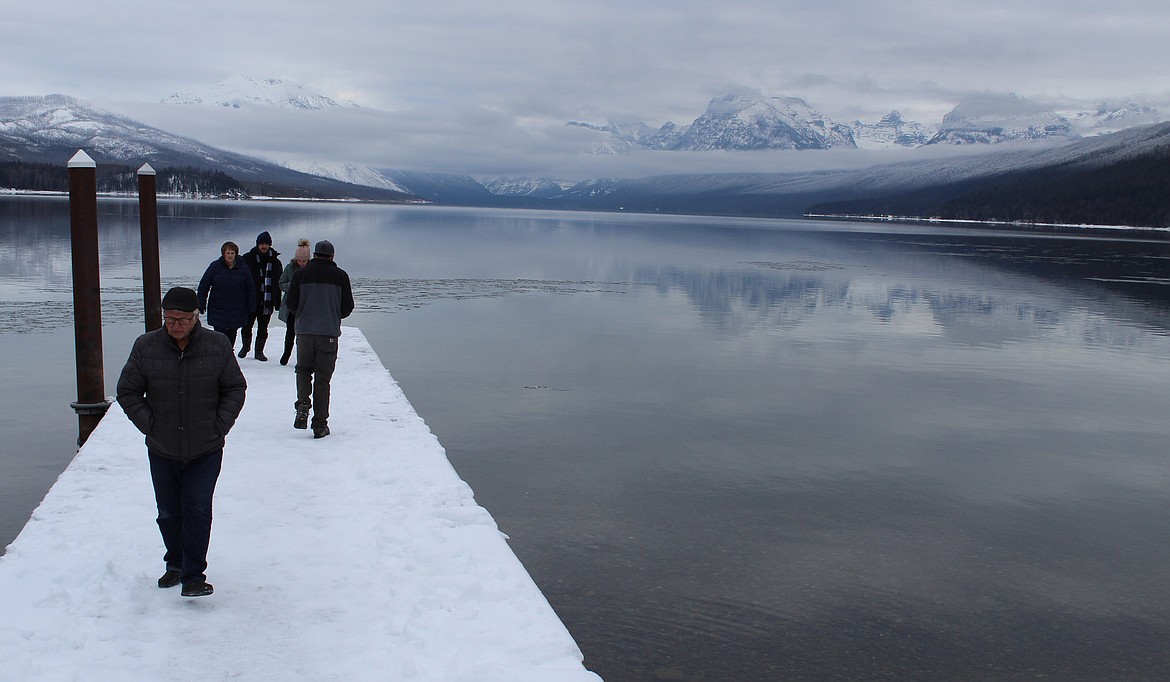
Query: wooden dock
x,y
360,556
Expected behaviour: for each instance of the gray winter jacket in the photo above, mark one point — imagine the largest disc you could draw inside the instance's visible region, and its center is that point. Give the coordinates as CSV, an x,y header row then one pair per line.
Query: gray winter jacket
x,y
185,401
286,276
320,297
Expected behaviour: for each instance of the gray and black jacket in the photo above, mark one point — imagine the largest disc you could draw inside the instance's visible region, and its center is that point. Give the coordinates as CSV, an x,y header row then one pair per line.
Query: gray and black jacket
x,y
185,401
320,297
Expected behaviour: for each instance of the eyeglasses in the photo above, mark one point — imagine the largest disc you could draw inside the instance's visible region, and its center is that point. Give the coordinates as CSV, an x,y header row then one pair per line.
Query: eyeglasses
x,y
180,321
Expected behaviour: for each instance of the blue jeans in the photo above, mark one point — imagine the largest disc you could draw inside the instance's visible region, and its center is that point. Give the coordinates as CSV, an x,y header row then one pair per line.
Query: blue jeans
x,y
183,491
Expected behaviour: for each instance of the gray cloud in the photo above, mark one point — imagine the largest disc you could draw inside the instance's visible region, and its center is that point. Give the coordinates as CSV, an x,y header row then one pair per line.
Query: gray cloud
x,y
491,84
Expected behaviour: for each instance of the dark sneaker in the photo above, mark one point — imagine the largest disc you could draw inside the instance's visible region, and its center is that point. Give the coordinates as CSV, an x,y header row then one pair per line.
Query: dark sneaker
x,y
243,353
302,420
169,579
261,356
321,431
197,588
284,358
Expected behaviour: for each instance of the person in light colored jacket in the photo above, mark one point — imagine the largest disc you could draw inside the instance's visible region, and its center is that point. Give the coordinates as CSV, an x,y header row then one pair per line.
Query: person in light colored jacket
x,y
300,260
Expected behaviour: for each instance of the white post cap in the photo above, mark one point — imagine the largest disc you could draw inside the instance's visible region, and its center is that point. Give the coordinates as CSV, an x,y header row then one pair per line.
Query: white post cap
x,y
81,160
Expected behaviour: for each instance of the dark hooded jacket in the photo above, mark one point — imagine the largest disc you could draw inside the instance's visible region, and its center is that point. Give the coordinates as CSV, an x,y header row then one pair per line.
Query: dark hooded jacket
x,y
226,294
266,271
184,400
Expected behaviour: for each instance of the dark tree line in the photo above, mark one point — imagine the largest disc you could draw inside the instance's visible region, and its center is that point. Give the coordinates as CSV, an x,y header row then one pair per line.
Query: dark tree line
x,y
187,180
34,177
1134,192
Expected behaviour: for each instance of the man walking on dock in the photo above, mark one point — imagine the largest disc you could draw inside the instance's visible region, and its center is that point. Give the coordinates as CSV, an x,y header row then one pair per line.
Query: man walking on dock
x,y
320,297
183,388
264,262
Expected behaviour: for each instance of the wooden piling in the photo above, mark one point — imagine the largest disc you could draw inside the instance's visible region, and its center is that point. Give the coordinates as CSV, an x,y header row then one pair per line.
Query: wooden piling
x,y
91,404
148,215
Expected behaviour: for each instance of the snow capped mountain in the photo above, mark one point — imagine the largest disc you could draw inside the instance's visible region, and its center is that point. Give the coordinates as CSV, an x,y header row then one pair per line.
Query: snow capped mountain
x,y
924,180
239,91
741,123
617,138
51,129
738,122
526,187
1005,118
1107,117
54,127
989,119
891,132
732,122
348,172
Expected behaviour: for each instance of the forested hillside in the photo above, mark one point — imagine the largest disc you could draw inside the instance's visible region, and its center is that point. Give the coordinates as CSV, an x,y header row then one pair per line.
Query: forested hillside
x,y
1132,192
192,182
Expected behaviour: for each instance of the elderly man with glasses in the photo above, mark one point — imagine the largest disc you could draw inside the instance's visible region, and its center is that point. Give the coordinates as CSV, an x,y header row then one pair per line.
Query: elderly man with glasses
x,y
183,388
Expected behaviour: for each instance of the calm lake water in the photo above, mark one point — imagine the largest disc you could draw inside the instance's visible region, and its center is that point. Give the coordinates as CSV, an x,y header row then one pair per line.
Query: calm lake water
x,y
728,449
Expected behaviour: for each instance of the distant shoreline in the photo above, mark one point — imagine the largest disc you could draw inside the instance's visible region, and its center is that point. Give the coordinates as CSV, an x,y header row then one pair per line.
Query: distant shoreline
x,y
1011,225
1114,231
205,197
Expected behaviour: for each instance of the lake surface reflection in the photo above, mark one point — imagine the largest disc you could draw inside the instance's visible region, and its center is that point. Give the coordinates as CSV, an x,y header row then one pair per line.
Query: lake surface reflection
x,y
730,449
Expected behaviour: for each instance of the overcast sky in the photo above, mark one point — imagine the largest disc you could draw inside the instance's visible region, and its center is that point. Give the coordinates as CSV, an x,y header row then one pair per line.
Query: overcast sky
x,y
490,84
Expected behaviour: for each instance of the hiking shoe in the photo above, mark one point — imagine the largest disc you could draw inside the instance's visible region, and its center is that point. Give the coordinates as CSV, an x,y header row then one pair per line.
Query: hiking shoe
x,y
321,431
302,420
261,356
197,588
169,579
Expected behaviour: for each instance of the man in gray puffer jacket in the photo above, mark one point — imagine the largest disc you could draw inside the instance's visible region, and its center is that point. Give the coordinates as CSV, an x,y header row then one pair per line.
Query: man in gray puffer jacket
x,y
183,388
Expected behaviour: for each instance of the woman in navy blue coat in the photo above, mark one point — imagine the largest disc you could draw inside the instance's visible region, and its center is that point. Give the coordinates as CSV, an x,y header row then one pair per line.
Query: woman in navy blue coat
x,y
227,293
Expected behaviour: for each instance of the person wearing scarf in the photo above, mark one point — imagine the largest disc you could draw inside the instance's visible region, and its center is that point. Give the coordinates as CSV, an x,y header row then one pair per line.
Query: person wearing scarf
x,y
264,262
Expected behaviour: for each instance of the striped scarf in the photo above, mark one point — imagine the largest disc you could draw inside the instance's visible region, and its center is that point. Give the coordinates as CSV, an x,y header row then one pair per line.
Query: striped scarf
x,y
265,281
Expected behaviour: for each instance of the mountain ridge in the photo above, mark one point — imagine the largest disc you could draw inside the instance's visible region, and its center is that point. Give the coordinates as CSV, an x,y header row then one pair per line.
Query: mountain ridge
x,y
242,91
50,129
748,122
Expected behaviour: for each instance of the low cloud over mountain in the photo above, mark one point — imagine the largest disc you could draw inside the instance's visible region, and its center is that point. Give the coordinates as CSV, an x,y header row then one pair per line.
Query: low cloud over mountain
x,y
744,155
242,91
750,122
270,119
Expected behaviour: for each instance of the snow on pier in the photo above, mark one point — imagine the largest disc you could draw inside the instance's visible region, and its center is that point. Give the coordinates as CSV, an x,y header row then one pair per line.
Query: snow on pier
x,y
359,556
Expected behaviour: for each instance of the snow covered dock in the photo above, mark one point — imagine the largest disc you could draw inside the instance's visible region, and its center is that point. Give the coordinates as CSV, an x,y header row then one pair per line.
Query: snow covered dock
x,y
360,556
